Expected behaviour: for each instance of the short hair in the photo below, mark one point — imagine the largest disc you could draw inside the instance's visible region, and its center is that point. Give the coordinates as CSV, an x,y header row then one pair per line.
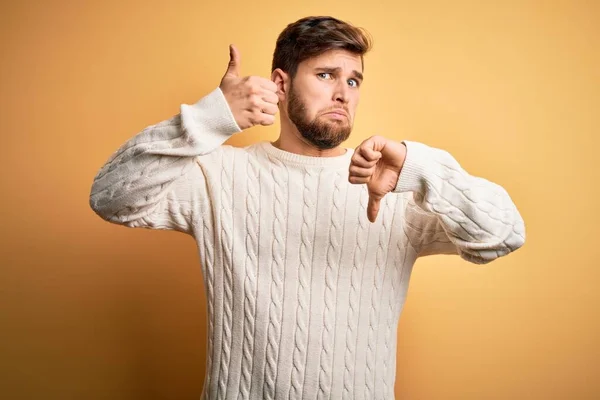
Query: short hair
x,y
312,36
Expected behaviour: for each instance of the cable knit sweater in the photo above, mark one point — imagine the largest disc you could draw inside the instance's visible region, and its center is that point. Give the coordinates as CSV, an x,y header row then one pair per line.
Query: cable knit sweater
x,y
304,293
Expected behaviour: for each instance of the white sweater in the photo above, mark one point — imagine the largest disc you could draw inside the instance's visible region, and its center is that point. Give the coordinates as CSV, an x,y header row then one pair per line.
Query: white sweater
x,y
304,293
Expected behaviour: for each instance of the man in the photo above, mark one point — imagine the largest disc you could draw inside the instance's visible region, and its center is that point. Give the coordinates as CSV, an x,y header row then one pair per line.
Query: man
x,y
306,247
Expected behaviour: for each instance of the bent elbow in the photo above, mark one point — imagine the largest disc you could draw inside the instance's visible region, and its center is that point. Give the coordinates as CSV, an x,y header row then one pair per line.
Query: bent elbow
x,y
100,211
101,204
488,253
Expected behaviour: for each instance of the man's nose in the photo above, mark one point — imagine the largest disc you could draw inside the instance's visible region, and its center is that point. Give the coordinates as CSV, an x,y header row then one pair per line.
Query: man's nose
x,y
341,93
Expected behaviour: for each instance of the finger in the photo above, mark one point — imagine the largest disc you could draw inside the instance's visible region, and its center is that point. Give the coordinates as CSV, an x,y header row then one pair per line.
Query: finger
x,y
369,154
234,62
358,159
360,172
268,108
256,117
269,97
267,84
373,208
266,119
357,180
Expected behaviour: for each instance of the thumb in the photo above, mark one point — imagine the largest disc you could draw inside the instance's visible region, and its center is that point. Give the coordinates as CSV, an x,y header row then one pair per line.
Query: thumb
x,y
373,207
233,68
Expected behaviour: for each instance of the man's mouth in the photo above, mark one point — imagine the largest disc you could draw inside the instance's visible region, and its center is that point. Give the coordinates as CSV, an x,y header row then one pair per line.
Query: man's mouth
x,y
337,114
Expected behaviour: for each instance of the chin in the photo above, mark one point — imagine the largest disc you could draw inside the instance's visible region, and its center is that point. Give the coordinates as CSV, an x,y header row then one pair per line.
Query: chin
x,y
327,142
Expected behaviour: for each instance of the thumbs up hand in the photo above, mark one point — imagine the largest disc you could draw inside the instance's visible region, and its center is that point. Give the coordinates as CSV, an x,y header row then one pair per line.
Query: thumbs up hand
x,y
377,162
252,99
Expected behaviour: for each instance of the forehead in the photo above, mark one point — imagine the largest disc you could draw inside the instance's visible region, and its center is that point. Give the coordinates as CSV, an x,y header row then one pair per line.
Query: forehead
x,y
343,59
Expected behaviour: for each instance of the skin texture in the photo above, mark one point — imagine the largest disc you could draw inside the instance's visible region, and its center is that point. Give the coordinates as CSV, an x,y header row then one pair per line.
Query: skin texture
x,y
319,104
317,109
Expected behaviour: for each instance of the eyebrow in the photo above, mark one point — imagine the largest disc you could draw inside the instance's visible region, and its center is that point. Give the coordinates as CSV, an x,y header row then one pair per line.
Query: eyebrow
x,y
355,73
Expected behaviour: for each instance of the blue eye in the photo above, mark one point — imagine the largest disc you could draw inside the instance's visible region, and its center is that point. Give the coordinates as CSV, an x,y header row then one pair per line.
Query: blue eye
x,y
323,75
355,82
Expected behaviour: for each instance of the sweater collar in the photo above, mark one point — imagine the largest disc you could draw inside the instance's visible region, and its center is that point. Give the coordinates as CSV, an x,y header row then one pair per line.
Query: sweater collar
x,y
293,158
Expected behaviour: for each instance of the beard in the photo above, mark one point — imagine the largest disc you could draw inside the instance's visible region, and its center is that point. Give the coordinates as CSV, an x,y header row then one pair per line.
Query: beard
x,y
321,133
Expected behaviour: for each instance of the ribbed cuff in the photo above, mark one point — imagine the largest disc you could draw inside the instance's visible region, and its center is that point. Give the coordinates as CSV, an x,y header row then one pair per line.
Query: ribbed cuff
x,y
413,175
209,120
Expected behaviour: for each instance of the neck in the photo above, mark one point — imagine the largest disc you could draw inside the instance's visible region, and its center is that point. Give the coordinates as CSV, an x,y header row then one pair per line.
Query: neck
x,y
291,140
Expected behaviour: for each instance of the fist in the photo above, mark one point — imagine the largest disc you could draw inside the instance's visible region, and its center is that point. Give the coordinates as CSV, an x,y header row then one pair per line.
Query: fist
x,y
377,162
252,99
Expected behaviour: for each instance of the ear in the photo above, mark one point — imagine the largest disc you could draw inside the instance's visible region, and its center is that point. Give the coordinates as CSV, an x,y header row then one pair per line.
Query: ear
x,y
281,79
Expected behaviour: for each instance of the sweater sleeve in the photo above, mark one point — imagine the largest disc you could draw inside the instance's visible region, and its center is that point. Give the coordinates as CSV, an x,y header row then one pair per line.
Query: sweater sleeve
x,y
153,180
452,212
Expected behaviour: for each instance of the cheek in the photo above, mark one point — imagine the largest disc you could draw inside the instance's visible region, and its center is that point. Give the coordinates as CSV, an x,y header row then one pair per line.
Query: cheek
x,y
316,102
353,105
321,96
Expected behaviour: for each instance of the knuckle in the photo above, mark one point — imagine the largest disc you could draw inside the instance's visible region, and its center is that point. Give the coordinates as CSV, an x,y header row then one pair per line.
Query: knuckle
x,y
253,100
266,121
254,89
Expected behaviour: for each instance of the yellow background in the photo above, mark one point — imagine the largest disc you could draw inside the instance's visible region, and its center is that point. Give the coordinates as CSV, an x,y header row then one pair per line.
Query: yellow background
x,y
91,310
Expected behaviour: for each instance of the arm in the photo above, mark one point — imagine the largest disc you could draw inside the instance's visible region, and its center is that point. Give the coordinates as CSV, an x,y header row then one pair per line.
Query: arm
x,y
452,212
152,180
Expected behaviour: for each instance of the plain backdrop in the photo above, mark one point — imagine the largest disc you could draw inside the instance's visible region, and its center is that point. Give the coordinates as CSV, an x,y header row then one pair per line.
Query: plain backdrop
x,y
91,310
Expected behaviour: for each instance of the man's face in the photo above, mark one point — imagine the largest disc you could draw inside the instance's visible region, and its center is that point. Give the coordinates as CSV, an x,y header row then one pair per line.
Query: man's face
x,y
323,97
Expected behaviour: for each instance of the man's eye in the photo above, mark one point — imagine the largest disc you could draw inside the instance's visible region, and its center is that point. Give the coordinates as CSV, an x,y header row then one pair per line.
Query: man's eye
x,y
353,82
323,75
